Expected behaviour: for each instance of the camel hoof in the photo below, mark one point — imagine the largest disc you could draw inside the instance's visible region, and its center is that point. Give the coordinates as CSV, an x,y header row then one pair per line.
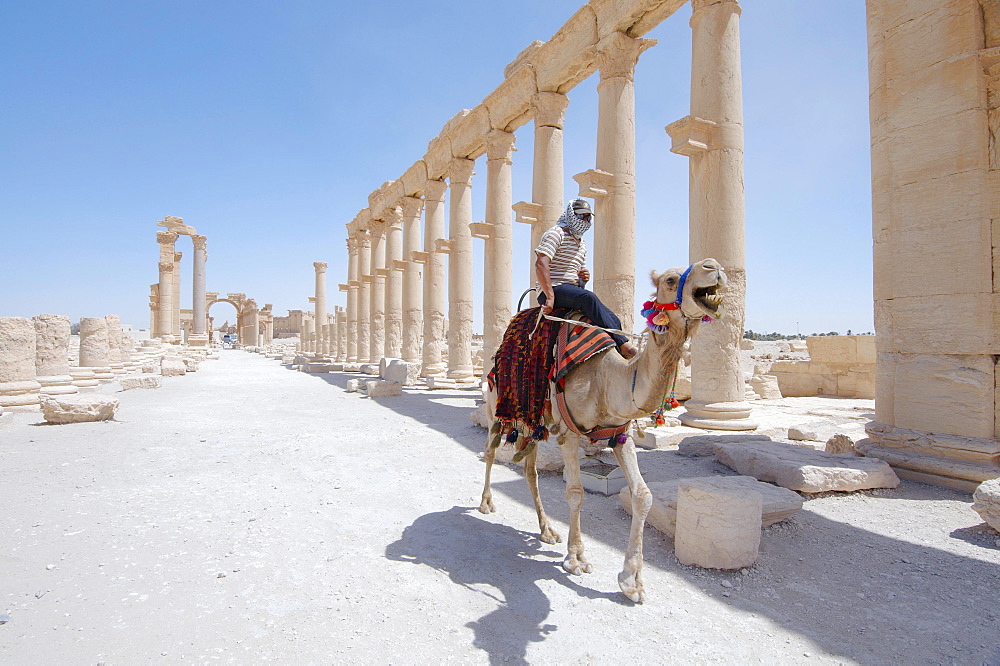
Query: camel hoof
x,y
631,587
549,535
577,566
486,506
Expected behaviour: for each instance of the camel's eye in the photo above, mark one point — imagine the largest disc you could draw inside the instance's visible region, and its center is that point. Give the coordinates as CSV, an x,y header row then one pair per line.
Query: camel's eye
x,y
671,282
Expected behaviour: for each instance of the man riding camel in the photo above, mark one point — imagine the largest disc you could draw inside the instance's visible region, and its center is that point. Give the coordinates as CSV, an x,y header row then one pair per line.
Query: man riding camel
x,y
559,268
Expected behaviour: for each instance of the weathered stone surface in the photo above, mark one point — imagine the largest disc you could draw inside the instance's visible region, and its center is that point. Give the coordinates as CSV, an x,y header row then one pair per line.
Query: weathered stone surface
x,y
368,369
401,372
717,527
777,503
83,377
378,388
986,502
696,446
78,408
803,434
18,388
140,382
353,385
766,386
172,366
94,346
480,416
804,469
190,364
840,445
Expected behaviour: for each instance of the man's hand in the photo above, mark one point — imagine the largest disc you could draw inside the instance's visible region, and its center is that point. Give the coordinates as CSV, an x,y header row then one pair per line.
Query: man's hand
x,y
584,275
550,298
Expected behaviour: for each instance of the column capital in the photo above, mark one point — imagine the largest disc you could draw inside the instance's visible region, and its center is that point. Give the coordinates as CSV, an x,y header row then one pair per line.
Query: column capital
x,y
699,5
178,255
166,237
549,109
200,242
393,217
352,245
364,240
499,145
460,170
411,206
617,55
166,266
434,190
320,266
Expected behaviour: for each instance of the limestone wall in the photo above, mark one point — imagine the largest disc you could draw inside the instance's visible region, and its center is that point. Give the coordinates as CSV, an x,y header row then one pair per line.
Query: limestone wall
x,y
841,365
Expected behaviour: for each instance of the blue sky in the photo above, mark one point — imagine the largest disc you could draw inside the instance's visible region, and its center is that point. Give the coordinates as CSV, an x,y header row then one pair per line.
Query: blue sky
x,y
265,125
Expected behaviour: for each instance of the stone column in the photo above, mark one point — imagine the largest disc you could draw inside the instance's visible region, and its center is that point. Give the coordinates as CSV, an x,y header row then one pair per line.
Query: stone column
x,y
376,339
412,298
460,293
18,386
52,354
353,286
547,201
253,326
115,360
342,335
164,325
311,337
199,305
175,317
364,295
434,279
322,346
94,347
394,283
712,138
498,252
612,183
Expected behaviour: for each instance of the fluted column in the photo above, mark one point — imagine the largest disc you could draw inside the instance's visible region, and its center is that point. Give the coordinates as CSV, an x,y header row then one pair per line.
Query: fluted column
x,y
199,308
612,183
718,398
394,283
322,347
376,344
412,298
353,287
497,256
434,279
460,292
165,325
175,317
364,294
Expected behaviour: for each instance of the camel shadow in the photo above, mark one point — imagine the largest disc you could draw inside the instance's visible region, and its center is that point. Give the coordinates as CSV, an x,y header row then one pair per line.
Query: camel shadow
x,y
478,554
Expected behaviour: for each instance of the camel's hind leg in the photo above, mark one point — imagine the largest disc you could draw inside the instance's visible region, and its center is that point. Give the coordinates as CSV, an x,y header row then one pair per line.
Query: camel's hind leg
x,y
489,455
630,579
575,562
546,533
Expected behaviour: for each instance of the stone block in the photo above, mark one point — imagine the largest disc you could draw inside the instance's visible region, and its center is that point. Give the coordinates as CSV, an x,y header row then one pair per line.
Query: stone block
x,y
401,372
832,349
20,396
777,504
905,327
368,369
697,446
353,385
746,344
986,502
480,416
172,366
78,408
190,364
804,469
841,445
140,382
717,527
83,377
150,366
944,394
766,386
803,434
378,388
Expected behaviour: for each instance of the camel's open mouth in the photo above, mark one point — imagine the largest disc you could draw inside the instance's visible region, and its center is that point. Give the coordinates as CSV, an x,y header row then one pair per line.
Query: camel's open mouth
x,y
709,299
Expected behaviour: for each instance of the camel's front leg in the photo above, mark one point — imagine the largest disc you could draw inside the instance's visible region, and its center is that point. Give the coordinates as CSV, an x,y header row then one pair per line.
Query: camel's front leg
x,y
489,454
575,562
630,579
546,533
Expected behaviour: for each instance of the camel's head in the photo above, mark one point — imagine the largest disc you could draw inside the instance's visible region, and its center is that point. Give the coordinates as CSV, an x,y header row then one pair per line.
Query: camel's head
x,y
686,293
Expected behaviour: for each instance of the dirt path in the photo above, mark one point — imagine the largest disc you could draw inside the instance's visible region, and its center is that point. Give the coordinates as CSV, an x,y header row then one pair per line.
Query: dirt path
x,y
249,513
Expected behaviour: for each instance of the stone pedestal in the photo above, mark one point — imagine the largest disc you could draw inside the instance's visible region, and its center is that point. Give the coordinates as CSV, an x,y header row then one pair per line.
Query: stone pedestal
x,y
83,377
18,387
94,348
717,527
52,354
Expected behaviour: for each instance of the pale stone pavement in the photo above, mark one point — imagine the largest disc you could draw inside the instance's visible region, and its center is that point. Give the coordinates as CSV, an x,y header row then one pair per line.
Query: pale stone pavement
x,y
249,513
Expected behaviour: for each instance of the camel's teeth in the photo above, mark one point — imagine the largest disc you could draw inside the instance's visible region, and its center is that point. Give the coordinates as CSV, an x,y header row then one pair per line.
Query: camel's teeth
x,y
714,299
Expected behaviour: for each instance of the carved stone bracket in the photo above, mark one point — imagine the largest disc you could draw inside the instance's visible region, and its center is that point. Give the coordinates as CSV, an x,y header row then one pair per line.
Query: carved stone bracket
x,y
691,136
527,212
483,230
420,257
442,245
595,183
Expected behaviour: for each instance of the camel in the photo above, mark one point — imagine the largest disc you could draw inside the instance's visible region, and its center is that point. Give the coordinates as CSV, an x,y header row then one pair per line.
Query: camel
x,y
607,390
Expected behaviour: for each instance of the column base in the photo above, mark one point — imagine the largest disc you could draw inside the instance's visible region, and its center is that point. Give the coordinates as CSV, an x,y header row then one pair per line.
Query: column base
x,y
718,415
198,340
434,370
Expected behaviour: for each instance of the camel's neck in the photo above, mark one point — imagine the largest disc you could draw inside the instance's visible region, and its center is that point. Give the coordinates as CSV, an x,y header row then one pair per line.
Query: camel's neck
x,y
655,369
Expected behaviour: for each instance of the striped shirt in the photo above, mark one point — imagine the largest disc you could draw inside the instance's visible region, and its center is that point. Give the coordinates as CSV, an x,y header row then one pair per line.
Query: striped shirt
x,y
566,254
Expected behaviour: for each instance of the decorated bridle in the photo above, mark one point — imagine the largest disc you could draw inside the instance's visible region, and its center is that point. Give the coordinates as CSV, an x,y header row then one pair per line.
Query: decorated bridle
x,y
656,313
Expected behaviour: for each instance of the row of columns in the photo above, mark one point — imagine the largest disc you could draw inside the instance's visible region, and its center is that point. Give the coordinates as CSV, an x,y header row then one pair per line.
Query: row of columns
x,y
165,302
383,279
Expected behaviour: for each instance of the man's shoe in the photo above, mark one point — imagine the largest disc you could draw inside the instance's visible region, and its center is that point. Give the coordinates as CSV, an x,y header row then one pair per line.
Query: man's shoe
x,y
628,350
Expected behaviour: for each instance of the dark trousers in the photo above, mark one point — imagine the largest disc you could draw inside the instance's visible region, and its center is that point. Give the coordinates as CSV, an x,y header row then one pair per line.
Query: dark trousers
x,y
578,298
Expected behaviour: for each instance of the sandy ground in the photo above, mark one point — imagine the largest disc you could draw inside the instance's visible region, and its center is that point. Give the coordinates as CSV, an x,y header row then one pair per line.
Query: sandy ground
x,y
249,513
